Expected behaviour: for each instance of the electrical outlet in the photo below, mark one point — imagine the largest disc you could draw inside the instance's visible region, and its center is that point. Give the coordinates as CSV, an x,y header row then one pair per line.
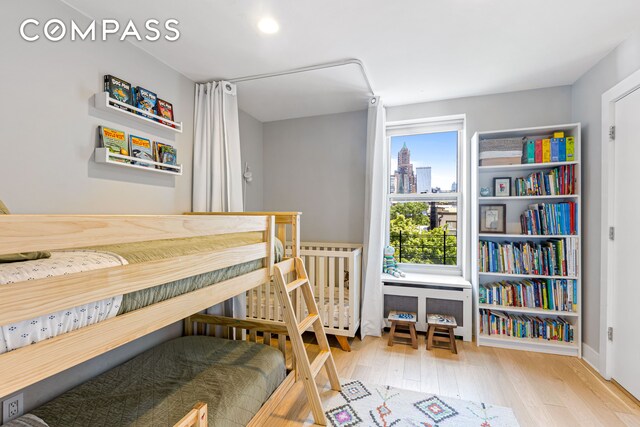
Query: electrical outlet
x,y
12,408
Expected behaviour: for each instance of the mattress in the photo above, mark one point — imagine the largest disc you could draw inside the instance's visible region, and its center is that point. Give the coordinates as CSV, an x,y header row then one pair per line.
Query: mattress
x,y
20,334
161,385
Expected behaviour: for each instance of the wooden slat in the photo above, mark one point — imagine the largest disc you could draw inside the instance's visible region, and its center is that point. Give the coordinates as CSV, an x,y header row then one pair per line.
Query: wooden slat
x,y
25,233
306,322
321,284
319,362
197,417
266,338
286,266
259,325
341,319
29,299
281,217
332,292
30,364
295,284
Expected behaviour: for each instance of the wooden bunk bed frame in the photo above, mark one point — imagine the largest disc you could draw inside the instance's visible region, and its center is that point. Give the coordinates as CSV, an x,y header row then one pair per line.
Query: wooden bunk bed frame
x,y
25,300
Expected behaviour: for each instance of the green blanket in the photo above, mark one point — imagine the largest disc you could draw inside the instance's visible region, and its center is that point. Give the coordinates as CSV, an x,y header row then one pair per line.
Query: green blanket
x,y
161,385
161,249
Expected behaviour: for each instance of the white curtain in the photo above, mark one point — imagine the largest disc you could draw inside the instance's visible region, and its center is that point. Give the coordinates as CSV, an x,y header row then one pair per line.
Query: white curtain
x,y
217,166
374,216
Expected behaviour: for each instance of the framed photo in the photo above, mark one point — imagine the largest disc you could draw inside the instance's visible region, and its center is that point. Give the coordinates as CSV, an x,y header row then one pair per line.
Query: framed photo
x,y
502,187
493,219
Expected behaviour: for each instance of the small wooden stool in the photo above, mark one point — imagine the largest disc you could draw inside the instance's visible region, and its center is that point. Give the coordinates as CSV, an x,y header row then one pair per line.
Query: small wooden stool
x,y
442,324
405,320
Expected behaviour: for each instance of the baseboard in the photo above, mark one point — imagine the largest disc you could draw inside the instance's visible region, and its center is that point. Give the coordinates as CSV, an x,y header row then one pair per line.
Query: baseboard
x,y
591,356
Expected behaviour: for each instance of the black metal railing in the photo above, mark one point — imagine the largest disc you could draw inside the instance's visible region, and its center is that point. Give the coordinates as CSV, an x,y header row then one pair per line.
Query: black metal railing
x,y
430,247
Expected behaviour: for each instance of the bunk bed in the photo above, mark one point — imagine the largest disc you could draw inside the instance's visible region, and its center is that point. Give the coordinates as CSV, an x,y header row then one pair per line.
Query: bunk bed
x,y
172,268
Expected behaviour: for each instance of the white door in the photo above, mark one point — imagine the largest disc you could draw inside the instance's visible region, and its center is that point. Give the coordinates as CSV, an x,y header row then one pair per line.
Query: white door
x,y
626,253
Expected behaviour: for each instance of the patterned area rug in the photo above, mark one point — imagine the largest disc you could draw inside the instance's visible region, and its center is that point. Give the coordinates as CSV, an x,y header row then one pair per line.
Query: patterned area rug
x,y
360,404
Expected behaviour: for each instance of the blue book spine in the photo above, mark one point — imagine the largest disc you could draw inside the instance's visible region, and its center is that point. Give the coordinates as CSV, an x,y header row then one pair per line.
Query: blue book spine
x,y
555,150
562,149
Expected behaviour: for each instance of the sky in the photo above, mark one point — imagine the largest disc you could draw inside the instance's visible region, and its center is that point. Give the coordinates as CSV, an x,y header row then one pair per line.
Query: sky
x,y
438,150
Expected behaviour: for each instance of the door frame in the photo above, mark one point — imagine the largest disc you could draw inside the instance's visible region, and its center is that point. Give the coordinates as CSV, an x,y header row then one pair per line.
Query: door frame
x,y
609,99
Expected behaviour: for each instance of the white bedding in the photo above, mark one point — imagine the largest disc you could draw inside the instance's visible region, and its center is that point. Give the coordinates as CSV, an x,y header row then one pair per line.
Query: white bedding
x,y
27,332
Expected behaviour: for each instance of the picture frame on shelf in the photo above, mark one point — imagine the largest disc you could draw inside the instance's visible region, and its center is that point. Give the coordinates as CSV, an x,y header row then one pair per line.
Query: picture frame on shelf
x,y
493,219
502,186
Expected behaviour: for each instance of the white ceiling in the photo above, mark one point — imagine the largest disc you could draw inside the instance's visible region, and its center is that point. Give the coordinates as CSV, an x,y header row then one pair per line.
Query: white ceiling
x,y
414,50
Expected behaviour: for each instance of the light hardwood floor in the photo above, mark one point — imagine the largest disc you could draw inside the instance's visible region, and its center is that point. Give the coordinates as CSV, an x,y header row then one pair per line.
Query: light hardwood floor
x,y
542,390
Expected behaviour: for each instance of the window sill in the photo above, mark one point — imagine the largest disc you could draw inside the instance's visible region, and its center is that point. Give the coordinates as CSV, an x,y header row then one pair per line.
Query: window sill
x,y
426,279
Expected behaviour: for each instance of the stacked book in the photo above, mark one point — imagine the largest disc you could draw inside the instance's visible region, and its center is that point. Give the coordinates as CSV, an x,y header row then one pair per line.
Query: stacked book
x,y
558,181
550,219
546,294
496,323
498,152
557,257
551,148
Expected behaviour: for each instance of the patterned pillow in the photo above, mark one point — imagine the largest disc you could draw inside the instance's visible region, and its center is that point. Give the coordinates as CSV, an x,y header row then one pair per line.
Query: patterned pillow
x,y
25,256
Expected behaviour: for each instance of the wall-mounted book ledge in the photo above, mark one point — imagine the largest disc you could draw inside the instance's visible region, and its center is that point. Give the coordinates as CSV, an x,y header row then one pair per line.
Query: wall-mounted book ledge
x,y
106,103
102,155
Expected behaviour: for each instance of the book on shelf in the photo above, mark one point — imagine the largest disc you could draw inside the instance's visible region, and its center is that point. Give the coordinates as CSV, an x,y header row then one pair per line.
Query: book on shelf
x,y
559,181
550,219
571,148
146,100
545,294
554,257
119,90
165,153
548,148
165,110
142,149
497,323
115,141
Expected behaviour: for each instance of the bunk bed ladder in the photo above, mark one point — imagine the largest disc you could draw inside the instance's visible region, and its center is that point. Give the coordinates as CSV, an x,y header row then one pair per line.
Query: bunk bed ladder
x,y
307,370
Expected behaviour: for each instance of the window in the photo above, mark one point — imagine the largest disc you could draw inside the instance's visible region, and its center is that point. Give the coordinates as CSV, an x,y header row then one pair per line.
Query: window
x,y
423,194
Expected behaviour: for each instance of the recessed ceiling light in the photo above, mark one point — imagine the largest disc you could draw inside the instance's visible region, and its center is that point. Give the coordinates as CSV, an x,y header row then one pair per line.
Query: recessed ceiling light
x,y
268,26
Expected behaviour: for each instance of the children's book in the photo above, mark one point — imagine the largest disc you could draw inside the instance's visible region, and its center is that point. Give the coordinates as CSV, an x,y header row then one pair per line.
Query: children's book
x,y
571,141
146,100
119,90
562,149
165,153
142,149
165,110
555,150
546,150
115,141
168,155
538,151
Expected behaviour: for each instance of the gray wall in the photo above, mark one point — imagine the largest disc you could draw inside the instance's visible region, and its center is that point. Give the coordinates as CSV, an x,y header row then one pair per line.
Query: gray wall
x,y
492,112
49,134
251,143
49,122
587,109
317,165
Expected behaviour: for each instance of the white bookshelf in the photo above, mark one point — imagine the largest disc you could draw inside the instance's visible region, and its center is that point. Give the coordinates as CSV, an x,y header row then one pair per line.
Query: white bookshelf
x,y
102,155
105,103
482,176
